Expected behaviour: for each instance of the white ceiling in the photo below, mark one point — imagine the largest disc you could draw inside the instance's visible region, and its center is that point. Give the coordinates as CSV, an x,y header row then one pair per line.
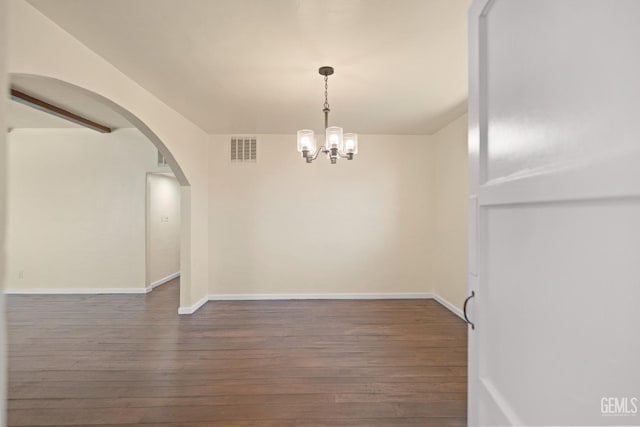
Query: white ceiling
x,y
235,66
61,95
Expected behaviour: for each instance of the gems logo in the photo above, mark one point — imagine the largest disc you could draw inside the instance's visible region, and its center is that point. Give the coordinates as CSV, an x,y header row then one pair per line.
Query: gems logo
x,y
619,406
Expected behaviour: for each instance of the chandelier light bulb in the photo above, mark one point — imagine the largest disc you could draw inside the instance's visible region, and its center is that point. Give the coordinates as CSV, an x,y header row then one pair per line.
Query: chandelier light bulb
x,y
334,137
350,143
306,141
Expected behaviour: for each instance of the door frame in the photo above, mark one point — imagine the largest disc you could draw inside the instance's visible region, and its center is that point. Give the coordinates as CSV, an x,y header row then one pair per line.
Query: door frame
x,y
477,137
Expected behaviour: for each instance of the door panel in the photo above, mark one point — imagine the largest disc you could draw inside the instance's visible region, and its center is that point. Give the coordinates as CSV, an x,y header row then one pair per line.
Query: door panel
x,y
568,63
554,107
556,302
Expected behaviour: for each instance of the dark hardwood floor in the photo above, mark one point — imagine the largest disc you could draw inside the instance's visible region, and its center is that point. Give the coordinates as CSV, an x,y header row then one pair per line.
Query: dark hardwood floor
x,y
130,359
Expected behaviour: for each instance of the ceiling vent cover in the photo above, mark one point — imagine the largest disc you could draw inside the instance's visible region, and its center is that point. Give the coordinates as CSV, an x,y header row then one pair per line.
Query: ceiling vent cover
x,y
244,149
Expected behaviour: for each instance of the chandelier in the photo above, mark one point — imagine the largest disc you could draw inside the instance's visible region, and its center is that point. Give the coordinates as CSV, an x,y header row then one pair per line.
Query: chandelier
x,y
335,143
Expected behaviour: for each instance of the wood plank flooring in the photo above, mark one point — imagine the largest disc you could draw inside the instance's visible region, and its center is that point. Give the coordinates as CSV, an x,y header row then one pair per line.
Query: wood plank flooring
x,y
130,359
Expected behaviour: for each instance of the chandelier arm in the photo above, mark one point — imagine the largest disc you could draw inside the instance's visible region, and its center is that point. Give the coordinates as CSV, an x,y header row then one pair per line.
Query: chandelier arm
x,y
315,156
348,156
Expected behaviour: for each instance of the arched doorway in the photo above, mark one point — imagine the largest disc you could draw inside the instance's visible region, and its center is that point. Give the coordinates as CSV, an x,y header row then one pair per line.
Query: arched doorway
x,y
82,95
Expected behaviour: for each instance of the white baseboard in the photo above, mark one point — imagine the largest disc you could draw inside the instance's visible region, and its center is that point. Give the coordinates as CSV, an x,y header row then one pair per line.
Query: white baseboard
x,y
446,304
239,297
194,307
76,291
409,295
250,297
163,280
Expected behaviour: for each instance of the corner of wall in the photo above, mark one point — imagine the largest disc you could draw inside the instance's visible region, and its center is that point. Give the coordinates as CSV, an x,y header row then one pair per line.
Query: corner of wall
x,y
450,225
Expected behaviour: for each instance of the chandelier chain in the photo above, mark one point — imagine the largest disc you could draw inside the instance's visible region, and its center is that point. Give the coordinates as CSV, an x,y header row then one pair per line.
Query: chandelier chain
x,y
326,92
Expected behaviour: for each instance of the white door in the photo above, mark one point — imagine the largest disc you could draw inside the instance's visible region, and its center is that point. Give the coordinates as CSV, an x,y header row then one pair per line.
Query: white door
x,y
554,261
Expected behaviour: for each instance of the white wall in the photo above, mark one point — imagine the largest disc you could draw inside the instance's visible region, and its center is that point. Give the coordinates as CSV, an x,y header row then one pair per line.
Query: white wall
x,y
398,216
163,227
76,208
451,194
284,226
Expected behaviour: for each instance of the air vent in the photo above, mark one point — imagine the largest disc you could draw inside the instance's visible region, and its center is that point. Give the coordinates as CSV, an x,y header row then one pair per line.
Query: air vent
x,y
244,149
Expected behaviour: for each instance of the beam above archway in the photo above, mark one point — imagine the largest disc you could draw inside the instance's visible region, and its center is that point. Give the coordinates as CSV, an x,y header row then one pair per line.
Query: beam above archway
x,y
46,107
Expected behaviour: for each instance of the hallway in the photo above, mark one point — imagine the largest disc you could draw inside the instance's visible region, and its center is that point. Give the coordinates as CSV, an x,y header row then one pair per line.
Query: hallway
x,y
130,359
